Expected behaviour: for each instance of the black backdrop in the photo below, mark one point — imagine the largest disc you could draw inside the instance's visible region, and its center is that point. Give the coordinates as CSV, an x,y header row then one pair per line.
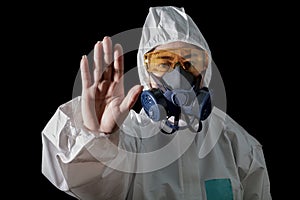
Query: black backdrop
x,y
54,37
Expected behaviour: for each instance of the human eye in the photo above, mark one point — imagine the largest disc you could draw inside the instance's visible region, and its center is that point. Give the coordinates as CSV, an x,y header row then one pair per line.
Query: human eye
x,y
164,66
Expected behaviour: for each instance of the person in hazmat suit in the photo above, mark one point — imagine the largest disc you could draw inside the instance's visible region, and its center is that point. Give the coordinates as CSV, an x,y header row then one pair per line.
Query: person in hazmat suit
x,y
179,146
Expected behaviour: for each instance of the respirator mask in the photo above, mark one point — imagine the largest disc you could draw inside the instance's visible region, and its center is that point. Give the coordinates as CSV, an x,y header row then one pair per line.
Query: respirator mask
x,y
177,102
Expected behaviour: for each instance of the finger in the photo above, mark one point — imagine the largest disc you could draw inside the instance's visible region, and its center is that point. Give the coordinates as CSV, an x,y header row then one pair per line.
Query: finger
x,y
107,51
131,98
118,63
85,72
98,65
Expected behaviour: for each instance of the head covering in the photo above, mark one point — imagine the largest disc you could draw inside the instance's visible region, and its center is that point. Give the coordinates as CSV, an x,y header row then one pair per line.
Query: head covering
x,y
165,24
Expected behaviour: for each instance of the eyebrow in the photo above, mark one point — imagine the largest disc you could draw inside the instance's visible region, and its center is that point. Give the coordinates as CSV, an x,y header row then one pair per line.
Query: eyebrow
x,y
165,57
188,56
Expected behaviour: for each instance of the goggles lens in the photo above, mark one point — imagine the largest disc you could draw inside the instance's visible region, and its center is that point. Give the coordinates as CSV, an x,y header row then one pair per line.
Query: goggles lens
x,y
162,61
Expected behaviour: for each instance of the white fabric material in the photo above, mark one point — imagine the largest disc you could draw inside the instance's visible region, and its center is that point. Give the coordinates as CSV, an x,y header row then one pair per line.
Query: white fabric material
x,y
73,158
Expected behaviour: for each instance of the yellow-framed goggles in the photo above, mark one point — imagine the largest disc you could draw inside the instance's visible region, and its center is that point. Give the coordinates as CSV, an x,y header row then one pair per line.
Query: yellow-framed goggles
x,y
190,59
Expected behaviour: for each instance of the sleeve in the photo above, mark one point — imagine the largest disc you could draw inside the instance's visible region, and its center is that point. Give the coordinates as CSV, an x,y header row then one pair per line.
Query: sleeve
x,y
256,180
75,161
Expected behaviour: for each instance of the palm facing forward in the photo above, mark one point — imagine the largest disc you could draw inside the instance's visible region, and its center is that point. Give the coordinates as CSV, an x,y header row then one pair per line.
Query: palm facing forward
x,y
104,105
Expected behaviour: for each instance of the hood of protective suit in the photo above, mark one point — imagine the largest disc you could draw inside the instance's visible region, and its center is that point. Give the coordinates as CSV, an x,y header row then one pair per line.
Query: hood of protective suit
x,y
164,25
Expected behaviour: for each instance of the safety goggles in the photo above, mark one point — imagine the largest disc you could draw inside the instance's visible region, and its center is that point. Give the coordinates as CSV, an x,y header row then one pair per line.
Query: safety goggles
x,y
190,59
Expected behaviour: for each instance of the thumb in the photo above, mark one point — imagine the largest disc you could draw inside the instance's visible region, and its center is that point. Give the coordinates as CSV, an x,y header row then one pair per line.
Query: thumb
x,y
131,98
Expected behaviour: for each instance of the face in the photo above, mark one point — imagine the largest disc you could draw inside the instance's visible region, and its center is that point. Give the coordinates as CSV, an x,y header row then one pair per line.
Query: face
x,y
164,58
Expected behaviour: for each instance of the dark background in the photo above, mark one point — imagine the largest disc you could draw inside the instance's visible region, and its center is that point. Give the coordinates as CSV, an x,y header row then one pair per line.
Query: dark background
x,y
49,39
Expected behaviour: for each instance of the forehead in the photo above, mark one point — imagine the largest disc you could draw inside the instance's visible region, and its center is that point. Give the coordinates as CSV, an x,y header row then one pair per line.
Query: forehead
x,y
173,45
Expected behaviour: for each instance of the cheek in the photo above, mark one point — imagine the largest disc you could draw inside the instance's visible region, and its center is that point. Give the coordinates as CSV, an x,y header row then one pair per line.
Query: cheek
x,y
153,85
158,74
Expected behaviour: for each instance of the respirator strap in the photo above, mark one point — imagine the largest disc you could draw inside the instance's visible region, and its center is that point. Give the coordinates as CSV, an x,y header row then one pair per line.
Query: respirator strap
x,y
173,127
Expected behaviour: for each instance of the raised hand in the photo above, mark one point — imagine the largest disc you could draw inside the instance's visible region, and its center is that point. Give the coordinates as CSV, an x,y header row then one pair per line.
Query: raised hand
x,y
104,105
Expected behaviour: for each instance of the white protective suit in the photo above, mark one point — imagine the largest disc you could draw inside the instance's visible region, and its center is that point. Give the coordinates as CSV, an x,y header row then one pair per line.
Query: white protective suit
x,y
139,162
